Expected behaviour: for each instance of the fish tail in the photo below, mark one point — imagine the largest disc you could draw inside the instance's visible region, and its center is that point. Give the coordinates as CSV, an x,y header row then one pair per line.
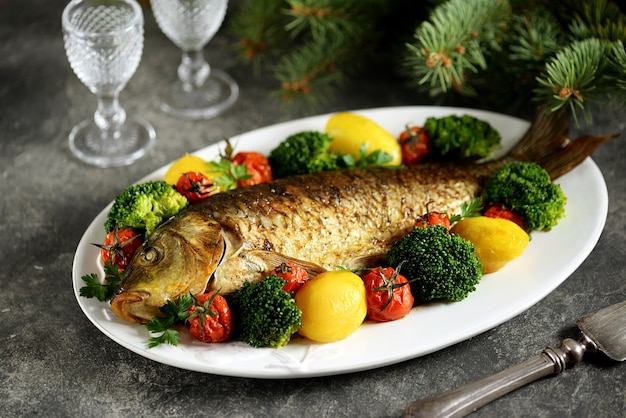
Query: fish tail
x,y
546,143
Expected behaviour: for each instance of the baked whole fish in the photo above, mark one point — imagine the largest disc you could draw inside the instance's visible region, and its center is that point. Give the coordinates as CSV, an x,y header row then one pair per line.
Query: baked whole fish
x,y
346,218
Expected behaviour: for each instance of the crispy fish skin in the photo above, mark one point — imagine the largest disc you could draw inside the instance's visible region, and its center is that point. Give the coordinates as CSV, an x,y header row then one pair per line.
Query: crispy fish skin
x,y
345,218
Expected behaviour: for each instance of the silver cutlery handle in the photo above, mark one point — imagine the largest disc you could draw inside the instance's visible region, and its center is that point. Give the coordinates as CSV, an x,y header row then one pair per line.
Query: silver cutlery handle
x,y
469,398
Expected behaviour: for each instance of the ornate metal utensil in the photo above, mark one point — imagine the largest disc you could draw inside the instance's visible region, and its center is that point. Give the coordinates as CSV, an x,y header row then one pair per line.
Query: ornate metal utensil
x,y
602,331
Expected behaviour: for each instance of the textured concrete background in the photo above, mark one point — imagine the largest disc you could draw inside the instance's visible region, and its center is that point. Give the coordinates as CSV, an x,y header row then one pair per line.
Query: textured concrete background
x,y
54,362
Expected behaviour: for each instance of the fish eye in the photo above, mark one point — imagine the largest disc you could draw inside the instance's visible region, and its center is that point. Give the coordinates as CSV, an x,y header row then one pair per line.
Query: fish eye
x,y
151,255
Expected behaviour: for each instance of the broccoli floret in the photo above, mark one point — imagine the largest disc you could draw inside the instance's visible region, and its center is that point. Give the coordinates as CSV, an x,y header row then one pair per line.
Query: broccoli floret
x,y
304,152
439,265
144,206
526,189
462,136
268,315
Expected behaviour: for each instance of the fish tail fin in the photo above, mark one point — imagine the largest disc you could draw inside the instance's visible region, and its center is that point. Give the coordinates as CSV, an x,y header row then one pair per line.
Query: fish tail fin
x,y
573,153
546,143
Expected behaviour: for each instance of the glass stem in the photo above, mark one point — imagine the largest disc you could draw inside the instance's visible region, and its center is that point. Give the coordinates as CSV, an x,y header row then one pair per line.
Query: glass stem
x,y
109,115
193,70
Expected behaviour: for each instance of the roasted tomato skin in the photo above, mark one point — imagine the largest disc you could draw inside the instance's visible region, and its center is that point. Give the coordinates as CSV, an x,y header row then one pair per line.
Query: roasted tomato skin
x,y
293,274
119,246
210,318
499,211
379,284
257,165
194,186
433,218
415,145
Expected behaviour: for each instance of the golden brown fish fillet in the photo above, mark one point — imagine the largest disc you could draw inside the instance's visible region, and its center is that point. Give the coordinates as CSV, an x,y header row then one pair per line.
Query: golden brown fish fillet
x,y
345,218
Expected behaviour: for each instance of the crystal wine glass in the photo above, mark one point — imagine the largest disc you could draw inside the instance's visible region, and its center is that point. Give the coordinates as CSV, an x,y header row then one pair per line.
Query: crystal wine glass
x,y
104,42
201,92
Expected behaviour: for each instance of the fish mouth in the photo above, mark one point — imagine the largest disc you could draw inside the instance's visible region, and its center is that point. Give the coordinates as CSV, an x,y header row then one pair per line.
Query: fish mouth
x,y
131,306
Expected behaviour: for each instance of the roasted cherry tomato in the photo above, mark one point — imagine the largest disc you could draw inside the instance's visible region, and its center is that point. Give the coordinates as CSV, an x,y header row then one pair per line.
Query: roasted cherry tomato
x,y
210,318
194,186
388,294
415,144
433,218
295,276
119,246
258,167
499,211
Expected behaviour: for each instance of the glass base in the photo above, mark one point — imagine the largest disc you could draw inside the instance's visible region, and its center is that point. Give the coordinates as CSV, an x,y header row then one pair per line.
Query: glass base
x,y
108,148
218,93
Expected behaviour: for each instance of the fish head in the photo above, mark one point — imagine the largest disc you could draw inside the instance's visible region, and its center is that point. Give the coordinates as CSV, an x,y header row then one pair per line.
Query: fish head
x,y
178,258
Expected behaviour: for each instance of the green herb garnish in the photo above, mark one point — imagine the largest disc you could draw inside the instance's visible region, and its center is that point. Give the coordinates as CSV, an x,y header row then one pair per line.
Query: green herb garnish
x,y
101,291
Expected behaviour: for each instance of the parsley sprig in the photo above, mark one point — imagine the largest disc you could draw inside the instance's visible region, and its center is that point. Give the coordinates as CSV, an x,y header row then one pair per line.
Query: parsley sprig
x,y
468,210
172,312
377,157
229,172
101,291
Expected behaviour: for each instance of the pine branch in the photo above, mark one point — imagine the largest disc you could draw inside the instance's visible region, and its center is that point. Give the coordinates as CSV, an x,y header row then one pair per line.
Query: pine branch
x,y
260,27
573,76
454,42
312,67
325,40
535,54
617,62
532,39
328,19
563,54
333,32
601,19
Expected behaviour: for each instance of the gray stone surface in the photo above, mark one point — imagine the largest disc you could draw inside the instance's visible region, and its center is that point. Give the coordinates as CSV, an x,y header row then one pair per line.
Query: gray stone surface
x,y
55,363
